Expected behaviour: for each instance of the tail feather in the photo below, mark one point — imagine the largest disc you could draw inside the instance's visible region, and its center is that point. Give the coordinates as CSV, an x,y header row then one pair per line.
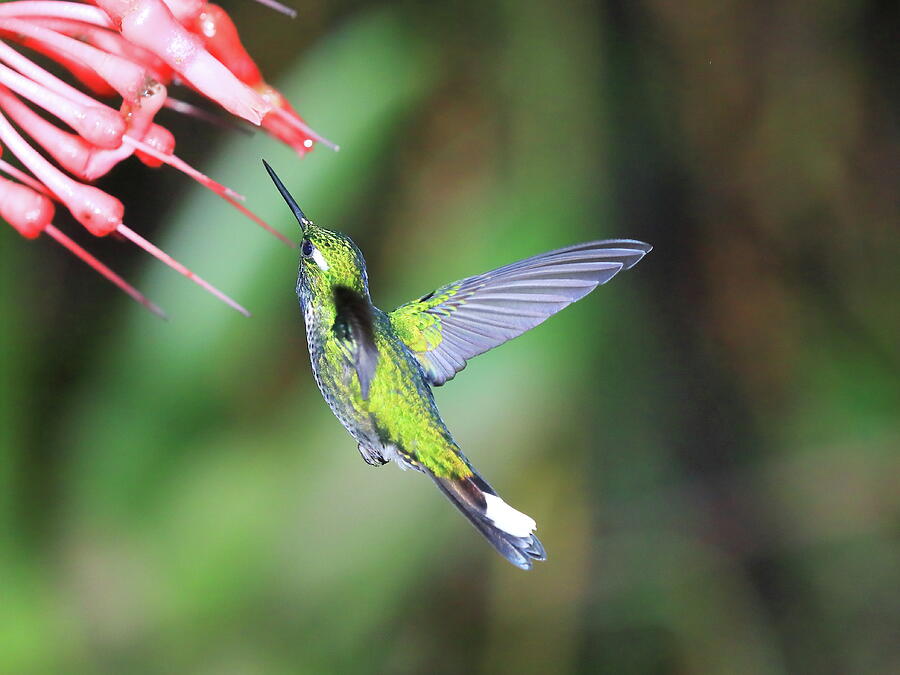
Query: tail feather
x,y
508,530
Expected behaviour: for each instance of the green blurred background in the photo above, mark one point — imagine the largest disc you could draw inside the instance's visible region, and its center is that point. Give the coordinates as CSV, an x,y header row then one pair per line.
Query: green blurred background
x,y
709,443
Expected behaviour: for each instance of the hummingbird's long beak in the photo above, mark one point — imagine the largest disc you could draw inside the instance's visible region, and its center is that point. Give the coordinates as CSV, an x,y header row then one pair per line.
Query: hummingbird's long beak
x,y
298,213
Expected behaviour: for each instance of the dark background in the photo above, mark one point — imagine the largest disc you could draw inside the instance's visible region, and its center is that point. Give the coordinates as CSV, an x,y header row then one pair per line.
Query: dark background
x,y
709,443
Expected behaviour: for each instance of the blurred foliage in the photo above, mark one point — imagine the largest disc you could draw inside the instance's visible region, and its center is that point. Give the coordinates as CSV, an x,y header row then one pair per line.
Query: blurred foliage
x,y
709,444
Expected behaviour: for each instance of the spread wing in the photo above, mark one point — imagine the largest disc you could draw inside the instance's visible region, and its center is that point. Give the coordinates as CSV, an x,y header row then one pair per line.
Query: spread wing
x,y
452,324
355,334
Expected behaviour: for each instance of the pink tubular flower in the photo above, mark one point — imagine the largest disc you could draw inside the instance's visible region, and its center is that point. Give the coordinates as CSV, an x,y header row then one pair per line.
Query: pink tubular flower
x,y
222,40
133,51
30,211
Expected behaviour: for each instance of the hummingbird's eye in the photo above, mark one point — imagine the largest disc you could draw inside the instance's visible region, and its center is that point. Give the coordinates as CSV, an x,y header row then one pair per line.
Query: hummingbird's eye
x,y
307,248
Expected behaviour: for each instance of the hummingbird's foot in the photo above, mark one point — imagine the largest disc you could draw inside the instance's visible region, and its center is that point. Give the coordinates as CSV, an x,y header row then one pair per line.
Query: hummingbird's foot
x,y
372,456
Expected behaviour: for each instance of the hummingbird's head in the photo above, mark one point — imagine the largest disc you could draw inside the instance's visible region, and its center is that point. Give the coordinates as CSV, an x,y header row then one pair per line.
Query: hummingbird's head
x,y
327,258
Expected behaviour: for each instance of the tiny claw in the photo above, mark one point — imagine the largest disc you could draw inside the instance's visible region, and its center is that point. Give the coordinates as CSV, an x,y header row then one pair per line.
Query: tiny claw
x,y
105,271
164,257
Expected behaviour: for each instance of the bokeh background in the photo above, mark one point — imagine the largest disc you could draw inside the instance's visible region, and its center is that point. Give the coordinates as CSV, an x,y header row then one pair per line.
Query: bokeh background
x,y
709,443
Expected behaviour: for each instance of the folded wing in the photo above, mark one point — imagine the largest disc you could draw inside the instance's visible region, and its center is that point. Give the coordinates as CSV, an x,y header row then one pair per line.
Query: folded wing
x,y
452,324
354,332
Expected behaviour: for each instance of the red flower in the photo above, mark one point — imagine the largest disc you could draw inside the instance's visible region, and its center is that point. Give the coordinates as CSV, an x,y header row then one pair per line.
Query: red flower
x,y
134,50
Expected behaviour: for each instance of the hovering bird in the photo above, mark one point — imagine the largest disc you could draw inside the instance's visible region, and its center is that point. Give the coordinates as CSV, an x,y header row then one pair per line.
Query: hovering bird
x,y
376,369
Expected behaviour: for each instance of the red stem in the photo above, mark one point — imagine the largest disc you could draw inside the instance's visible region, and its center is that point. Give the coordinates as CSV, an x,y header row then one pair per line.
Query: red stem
x,y
161,255
104,270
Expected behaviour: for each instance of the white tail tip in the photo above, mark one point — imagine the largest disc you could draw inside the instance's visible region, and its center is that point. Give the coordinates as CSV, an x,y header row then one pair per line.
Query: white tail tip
x,y
507,518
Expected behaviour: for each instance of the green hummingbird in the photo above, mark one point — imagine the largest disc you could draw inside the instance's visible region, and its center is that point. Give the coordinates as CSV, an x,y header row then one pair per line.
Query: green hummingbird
x,y
376,369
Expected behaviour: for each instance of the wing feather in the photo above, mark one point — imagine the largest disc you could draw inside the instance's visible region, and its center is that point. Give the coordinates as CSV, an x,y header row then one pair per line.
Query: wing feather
x,y
354,330
447,327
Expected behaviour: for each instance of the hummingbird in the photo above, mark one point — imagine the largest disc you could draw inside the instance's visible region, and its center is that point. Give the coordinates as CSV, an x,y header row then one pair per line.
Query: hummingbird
x,y
376,369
